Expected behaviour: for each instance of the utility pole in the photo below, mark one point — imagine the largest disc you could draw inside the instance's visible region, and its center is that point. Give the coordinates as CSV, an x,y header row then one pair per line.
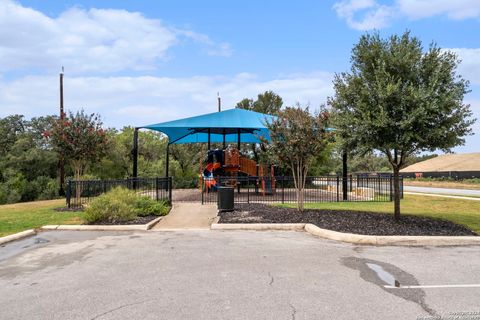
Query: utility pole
x,y
61,160
219,102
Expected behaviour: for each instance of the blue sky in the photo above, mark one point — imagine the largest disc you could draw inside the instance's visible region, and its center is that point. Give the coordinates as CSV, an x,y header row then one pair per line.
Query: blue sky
x,y
138,62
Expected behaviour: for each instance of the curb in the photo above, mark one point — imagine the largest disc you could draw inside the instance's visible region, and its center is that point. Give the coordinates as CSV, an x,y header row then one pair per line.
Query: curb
x,y
96,227
79,227
392,240
150,225
354,238
17,236
258,226
340,236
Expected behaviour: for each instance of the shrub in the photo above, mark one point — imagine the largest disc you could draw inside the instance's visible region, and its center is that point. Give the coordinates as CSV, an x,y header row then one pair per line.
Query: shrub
x,y
109,209
50,191
121,205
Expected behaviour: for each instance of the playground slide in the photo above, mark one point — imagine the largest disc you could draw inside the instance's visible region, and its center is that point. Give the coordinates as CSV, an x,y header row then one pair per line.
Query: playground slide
x,y
208,175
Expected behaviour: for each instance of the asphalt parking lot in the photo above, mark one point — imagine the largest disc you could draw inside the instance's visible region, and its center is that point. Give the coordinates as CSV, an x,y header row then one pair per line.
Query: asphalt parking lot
x,y
207,274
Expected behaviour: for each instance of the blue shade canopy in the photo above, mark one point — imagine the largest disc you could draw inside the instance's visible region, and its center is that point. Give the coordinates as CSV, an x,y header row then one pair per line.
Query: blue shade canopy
x,y
250,124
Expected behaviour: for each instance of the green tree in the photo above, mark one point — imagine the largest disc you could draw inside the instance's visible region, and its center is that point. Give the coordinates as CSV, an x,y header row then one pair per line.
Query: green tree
x,y
81,139
10,128
268,102
400,100
28,164
297,138
117,163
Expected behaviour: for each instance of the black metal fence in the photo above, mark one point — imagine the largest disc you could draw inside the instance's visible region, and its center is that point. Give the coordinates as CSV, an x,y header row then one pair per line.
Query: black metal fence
x,y
81,192
281,189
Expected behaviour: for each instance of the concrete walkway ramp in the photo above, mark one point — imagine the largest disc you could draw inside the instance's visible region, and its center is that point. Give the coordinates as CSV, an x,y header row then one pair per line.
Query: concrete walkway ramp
x,y
185,215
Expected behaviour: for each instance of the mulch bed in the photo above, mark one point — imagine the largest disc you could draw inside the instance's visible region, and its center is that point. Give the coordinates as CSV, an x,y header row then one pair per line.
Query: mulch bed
x,y
367,223
138,220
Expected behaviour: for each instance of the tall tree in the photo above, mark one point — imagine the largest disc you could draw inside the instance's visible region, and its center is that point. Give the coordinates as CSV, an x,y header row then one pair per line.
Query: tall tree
x,y
269,103
10,128
297,137
400,100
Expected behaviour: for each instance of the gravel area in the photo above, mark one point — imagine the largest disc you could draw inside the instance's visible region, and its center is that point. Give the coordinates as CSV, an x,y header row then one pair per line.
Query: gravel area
x,y
367,223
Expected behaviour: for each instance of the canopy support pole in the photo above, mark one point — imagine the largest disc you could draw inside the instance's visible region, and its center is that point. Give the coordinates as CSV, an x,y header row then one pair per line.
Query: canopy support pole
x,y
238,147
135,153
208,139
344,175
167,159
224,144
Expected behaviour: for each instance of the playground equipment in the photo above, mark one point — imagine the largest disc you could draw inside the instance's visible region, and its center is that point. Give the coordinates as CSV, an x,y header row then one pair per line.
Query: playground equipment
x,y
229,163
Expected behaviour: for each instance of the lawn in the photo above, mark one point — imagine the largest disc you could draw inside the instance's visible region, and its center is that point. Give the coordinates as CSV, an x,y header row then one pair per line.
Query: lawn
x,y
465,212
28,215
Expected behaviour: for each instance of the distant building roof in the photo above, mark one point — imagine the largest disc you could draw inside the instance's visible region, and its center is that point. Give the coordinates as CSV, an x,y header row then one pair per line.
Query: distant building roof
x,y
447,162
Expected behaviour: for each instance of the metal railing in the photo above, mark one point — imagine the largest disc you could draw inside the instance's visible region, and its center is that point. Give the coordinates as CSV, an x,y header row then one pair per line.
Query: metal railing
x,y
281,189
80,192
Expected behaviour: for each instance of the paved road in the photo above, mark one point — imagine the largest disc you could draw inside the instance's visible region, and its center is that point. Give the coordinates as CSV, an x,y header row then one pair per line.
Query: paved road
x,y
459,192
201,274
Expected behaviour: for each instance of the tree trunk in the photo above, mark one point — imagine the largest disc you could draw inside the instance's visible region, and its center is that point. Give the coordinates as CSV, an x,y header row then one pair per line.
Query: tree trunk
x,y
77,172
396,192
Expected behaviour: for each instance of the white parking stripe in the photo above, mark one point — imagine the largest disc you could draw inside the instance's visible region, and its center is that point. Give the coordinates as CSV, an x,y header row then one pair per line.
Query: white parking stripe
x,y
436,286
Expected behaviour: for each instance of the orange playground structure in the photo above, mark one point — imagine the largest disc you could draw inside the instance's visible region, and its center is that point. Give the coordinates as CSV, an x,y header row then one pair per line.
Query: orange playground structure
x,y
230,164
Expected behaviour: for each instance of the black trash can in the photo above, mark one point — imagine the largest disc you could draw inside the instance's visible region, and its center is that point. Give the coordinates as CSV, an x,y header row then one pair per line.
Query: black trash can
x,y
225,199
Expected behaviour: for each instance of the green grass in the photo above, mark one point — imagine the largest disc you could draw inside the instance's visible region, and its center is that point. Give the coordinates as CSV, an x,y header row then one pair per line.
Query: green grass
x,y
29,215
464,212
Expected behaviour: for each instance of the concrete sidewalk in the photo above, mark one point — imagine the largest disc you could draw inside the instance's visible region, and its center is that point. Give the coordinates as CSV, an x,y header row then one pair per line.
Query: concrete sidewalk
x,y
445,191
188,215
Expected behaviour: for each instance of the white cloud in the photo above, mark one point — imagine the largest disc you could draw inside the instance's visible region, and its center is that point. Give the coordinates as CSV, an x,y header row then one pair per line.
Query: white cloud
x,y
94,40
469,68
472,143
453,9
223,49
364,14
371,14
143,100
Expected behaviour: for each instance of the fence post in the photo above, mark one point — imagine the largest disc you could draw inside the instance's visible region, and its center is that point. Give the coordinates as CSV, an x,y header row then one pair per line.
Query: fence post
x,y
68,193
156,188
170,185
248,189
203,189
391,195
283,189
338,189
104,186
401,187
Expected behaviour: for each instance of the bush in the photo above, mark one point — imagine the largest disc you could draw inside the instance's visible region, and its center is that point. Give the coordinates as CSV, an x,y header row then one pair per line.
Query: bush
x,y
121,205
50,191
147,206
